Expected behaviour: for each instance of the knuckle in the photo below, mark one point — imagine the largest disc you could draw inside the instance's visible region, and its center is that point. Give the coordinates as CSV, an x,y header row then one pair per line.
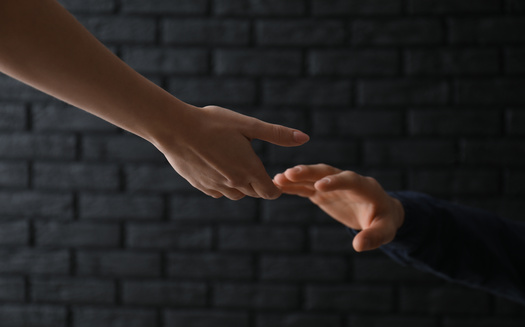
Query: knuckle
x,y
235,182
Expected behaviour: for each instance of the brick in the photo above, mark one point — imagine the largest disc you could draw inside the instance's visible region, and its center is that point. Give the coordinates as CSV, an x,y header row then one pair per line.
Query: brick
x,y
354,298
247,62
126,148
92,6
210,266
118,263
298,319
205,31
245,8
255,296
513,61
33,261
515,182
168,236
155,178
373,268
454,7
113,317
32,315
76,234
121,29
175,318
307,92
120,206
299,32
330,240
164,293
166,60
452,62
410,152
356,7
392,321
412,31
12,116
353,62
486,30
452,182
515,6
288,209
454,122
303,267
515,120
14,233
337,153
443,300
164,7
12,289
482,322
198,209
402,92
34,204
260,238
205,91
57,116
75,176
490,91
37,146
358,123
390,179
11,89
14,174
72,290
493,152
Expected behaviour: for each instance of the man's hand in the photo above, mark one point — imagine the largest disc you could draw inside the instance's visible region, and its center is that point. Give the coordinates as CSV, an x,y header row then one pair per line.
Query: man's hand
x,y
356,201
213,152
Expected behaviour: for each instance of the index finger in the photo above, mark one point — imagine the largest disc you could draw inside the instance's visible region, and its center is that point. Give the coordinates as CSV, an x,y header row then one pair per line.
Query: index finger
x,y
310,173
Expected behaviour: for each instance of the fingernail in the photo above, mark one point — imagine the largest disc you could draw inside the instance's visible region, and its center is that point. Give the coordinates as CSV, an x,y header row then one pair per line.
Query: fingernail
x,y
300,137
325,180
297,169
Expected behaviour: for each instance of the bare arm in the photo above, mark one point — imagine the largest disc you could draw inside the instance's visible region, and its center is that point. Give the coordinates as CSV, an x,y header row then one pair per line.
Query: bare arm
x,y
42,45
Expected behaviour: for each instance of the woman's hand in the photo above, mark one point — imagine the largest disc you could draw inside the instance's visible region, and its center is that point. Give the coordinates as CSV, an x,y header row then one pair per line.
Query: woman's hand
x,y
212,150
44,46
356,201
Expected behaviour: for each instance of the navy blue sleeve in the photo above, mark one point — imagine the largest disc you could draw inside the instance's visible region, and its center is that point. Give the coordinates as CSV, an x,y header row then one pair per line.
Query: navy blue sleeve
x,y
461,244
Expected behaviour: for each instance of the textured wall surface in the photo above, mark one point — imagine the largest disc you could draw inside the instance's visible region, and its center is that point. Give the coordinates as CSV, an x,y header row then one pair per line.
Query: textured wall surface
x,y
97,230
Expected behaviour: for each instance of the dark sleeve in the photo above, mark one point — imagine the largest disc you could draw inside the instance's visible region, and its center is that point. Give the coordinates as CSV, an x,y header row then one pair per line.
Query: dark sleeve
x,y
461,244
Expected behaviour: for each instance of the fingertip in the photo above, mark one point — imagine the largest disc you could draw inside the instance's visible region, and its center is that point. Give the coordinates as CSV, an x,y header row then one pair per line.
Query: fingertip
x,y
323,183
273,196
300,137
361,244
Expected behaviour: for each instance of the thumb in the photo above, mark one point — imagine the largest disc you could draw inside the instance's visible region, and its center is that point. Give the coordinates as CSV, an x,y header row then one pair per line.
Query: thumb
x,y
379,233
277,134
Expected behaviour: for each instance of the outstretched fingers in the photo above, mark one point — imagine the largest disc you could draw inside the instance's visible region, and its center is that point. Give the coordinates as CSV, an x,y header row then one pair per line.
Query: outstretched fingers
x,y
310,173
304,189
346,180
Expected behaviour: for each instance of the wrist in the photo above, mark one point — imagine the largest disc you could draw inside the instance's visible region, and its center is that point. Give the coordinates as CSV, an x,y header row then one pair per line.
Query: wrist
x,y
167,122
398,212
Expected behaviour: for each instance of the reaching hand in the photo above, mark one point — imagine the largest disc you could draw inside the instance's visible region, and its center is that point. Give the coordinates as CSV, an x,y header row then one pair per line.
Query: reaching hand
x,y
44,46
214,153
356,201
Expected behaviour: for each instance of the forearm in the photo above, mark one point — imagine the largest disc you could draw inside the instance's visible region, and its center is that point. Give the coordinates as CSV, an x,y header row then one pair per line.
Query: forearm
x,y
461,244
46,47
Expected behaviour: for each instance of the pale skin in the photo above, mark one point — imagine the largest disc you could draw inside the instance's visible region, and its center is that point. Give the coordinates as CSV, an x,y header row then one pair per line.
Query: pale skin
x,y
356,201
43,45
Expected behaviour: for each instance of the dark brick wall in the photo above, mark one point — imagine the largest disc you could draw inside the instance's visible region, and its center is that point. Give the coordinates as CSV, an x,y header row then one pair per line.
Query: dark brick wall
x,y
97,230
